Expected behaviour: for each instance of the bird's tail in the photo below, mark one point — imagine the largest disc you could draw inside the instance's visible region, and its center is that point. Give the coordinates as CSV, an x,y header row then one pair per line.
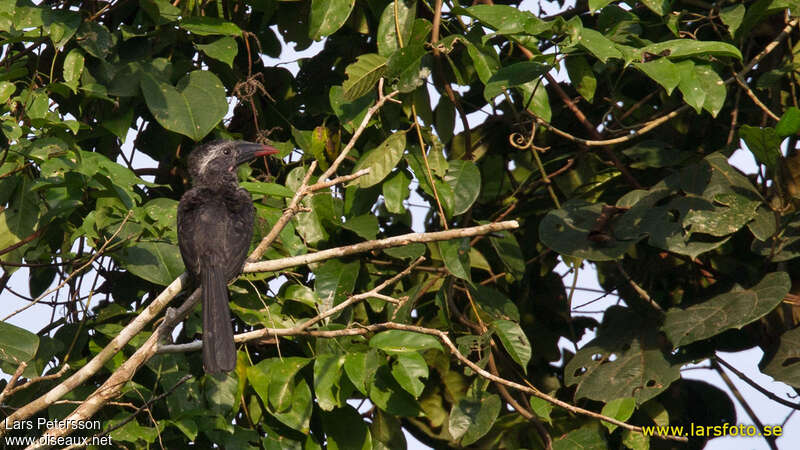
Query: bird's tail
x,y
219,351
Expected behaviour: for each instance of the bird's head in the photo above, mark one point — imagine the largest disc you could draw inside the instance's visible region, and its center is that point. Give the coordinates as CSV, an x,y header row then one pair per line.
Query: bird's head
x,y
216,161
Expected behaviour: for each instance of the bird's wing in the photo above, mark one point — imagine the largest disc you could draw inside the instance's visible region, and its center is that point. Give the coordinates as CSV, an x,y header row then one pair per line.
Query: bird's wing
x,y
215,230
242,213
188,209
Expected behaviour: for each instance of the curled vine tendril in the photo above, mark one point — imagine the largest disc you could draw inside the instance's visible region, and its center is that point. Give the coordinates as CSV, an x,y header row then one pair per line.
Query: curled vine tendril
x,y
518,141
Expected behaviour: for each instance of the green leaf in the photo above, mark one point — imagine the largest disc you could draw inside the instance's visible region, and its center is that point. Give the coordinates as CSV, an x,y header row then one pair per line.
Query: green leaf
x,y
274,381
397,15
660,7
223,49
408,369
445,119
495,303
365,226
360,368
268,189
387,395
95,39
684,48
381,160
723,221
485,60
220,393
346,430
401,341
209,26
465,180
514,341
6,90
598,45
387,432
156,262
363,75
764,225
327,16
784,365
73,68
509,251
404,71
187,426
471,419
733,309
587,437
308,224
61,25
507,19
595,5
624,359
327,375
193,109
693,91
662,71
582,76
395,191
790,122
732,16
455,254
536,100
160,11
19,219
655,154
620,409
714,88
512,76
410,251
335,280
350,114
542,408
635,441
17,345
301,294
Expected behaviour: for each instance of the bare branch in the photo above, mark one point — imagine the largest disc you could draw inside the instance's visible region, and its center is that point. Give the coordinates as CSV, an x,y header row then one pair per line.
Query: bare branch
x,y
361,247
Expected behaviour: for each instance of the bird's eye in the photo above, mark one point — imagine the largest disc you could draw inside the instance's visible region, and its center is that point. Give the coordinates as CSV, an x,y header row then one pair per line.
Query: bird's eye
x,y
227,151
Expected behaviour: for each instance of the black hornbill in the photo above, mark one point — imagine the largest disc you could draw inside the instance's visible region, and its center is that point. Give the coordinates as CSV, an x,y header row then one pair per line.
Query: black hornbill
x,y
215,226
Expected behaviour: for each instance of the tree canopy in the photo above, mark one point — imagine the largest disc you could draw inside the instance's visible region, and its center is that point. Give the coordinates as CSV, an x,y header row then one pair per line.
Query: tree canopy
x,y
521,135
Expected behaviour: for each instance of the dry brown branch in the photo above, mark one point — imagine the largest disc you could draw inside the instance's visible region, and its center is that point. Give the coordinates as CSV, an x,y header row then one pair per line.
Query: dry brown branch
x,y
639,290
133,415
125,372
112,386
304,189
257,334
11,388
382,99
754,98
361,247
444,339
97,363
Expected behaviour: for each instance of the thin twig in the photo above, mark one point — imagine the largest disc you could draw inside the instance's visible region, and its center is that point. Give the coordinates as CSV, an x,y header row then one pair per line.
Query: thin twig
x,y
445,339
361,247
642,293
299,328
754,98
738,395
756,386
75,272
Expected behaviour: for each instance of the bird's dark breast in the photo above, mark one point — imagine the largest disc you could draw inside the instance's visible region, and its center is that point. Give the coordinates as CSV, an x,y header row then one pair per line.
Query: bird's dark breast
x,y
214,229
